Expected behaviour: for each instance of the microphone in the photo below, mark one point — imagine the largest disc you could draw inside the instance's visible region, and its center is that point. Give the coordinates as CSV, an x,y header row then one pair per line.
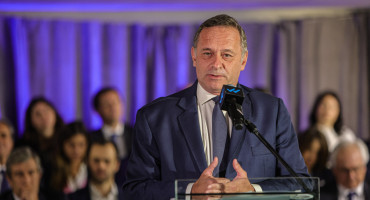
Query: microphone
x,y
231,99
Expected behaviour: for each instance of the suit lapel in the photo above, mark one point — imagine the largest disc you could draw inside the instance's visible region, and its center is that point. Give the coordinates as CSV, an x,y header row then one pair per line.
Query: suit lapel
x,y
189,124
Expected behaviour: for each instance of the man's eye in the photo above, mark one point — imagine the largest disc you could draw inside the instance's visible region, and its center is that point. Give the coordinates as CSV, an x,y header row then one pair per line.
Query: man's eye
x,y
206,53
227,55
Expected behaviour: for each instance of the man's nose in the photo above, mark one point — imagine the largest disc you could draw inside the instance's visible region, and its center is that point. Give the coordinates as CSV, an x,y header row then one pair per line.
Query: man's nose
x,y
27,179
217,61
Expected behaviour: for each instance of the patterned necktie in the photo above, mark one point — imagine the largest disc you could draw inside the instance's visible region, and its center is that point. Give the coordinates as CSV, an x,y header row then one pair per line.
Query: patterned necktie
x,y
4,183
220,139
351,195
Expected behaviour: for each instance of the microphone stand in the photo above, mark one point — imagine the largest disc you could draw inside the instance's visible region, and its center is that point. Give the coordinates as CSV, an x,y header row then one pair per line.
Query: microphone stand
x,y
253,129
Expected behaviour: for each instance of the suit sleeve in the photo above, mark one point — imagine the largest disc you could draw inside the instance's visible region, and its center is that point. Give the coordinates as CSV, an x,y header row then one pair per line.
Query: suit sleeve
x,y
144,170
287,144
288,149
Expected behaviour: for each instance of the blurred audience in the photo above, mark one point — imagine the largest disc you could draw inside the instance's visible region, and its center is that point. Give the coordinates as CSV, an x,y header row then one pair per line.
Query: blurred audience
x,y
24,173
108,103
42,122
6,146
349,161
326,115
70,171
103,164
314,149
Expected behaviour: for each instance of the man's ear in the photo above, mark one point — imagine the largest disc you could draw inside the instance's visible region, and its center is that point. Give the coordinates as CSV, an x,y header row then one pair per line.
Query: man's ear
x,y
118,165
244,61
193,56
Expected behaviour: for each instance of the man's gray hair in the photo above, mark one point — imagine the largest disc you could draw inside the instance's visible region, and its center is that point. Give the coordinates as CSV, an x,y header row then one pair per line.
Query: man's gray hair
x,y
358,143
21,155
9,125
222,20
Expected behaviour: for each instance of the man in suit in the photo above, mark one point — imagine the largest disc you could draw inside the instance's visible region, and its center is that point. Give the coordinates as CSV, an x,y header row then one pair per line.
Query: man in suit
x,y
173,136
348,161
107,102
24,174
103,163
6,146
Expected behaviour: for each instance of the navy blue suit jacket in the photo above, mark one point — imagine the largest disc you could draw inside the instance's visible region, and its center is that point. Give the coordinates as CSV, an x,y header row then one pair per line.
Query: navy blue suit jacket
x,y
168,145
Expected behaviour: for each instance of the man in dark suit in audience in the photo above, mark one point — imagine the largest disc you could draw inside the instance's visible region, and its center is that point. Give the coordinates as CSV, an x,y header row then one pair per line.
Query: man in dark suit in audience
x,y
6,146
103,163
107,102
348,161
24,174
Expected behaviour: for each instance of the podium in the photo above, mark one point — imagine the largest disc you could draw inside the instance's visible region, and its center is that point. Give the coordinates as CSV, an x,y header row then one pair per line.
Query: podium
x,y
279,188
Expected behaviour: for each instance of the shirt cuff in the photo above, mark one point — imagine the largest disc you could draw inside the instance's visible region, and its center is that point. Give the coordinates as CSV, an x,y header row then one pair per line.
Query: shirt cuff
x,y
257,187
188,191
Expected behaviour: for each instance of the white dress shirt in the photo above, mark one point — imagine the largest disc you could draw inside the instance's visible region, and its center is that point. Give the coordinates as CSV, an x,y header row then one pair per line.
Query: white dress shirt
x,y
343,192
118,131
96,195
205,109
77,182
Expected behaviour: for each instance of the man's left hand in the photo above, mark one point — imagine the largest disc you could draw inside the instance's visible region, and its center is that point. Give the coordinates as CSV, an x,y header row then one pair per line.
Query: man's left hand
x,y
241,183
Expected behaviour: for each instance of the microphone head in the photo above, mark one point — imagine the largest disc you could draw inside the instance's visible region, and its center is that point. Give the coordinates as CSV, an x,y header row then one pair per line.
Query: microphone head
x,y
230,94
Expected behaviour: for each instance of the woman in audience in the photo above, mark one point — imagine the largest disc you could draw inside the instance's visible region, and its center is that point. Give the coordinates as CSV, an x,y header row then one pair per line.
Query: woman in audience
x,y
326,115
70,171
42,123
314,149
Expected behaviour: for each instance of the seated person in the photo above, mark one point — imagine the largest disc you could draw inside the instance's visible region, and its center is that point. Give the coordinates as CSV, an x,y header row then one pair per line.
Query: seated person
x,y
314,149
327,116
103,163
24,174
348,162
6,146
70,171
110,107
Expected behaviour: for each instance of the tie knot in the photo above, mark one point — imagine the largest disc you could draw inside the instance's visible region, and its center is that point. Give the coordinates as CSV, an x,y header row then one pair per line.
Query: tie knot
x,y
216,99
351,195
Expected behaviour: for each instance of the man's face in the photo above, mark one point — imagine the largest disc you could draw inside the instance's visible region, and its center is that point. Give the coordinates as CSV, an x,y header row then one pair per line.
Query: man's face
x,y
25,178
110,107
218,58
6,142
103,163
350,169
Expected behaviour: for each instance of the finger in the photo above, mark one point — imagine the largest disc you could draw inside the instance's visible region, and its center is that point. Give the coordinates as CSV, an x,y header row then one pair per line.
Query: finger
x,y
222,180
240,172
216,186
209,170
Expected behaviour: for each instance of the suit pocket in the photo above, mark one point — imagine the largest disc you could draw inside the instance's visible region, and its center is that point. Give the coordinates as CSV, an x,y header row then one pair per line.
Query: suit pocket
x,y
260,150
264,160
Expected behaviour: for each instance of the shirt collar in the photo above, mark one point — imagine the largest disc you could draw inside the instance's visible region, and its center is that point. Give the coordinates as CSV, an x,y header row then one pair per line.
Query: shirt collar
x,y
96,193
16,197
202,95
343,191
108,131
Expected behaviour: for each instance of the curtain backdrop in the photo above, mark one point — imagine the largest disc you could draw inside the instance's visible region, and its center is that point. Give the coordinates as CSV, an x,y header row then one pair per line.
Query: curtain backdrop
x,y
69,61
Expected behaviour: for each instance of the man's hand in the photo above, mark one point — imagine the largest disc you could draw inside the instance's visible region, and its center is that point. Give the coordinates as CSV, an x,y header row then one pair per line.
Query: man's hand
x,y
240,183
207,183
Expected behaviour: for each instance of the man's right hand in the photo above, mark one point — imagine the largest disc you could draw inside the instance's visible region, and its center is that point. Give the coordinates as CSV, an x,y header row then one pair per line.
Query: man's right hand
x,y
207,183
